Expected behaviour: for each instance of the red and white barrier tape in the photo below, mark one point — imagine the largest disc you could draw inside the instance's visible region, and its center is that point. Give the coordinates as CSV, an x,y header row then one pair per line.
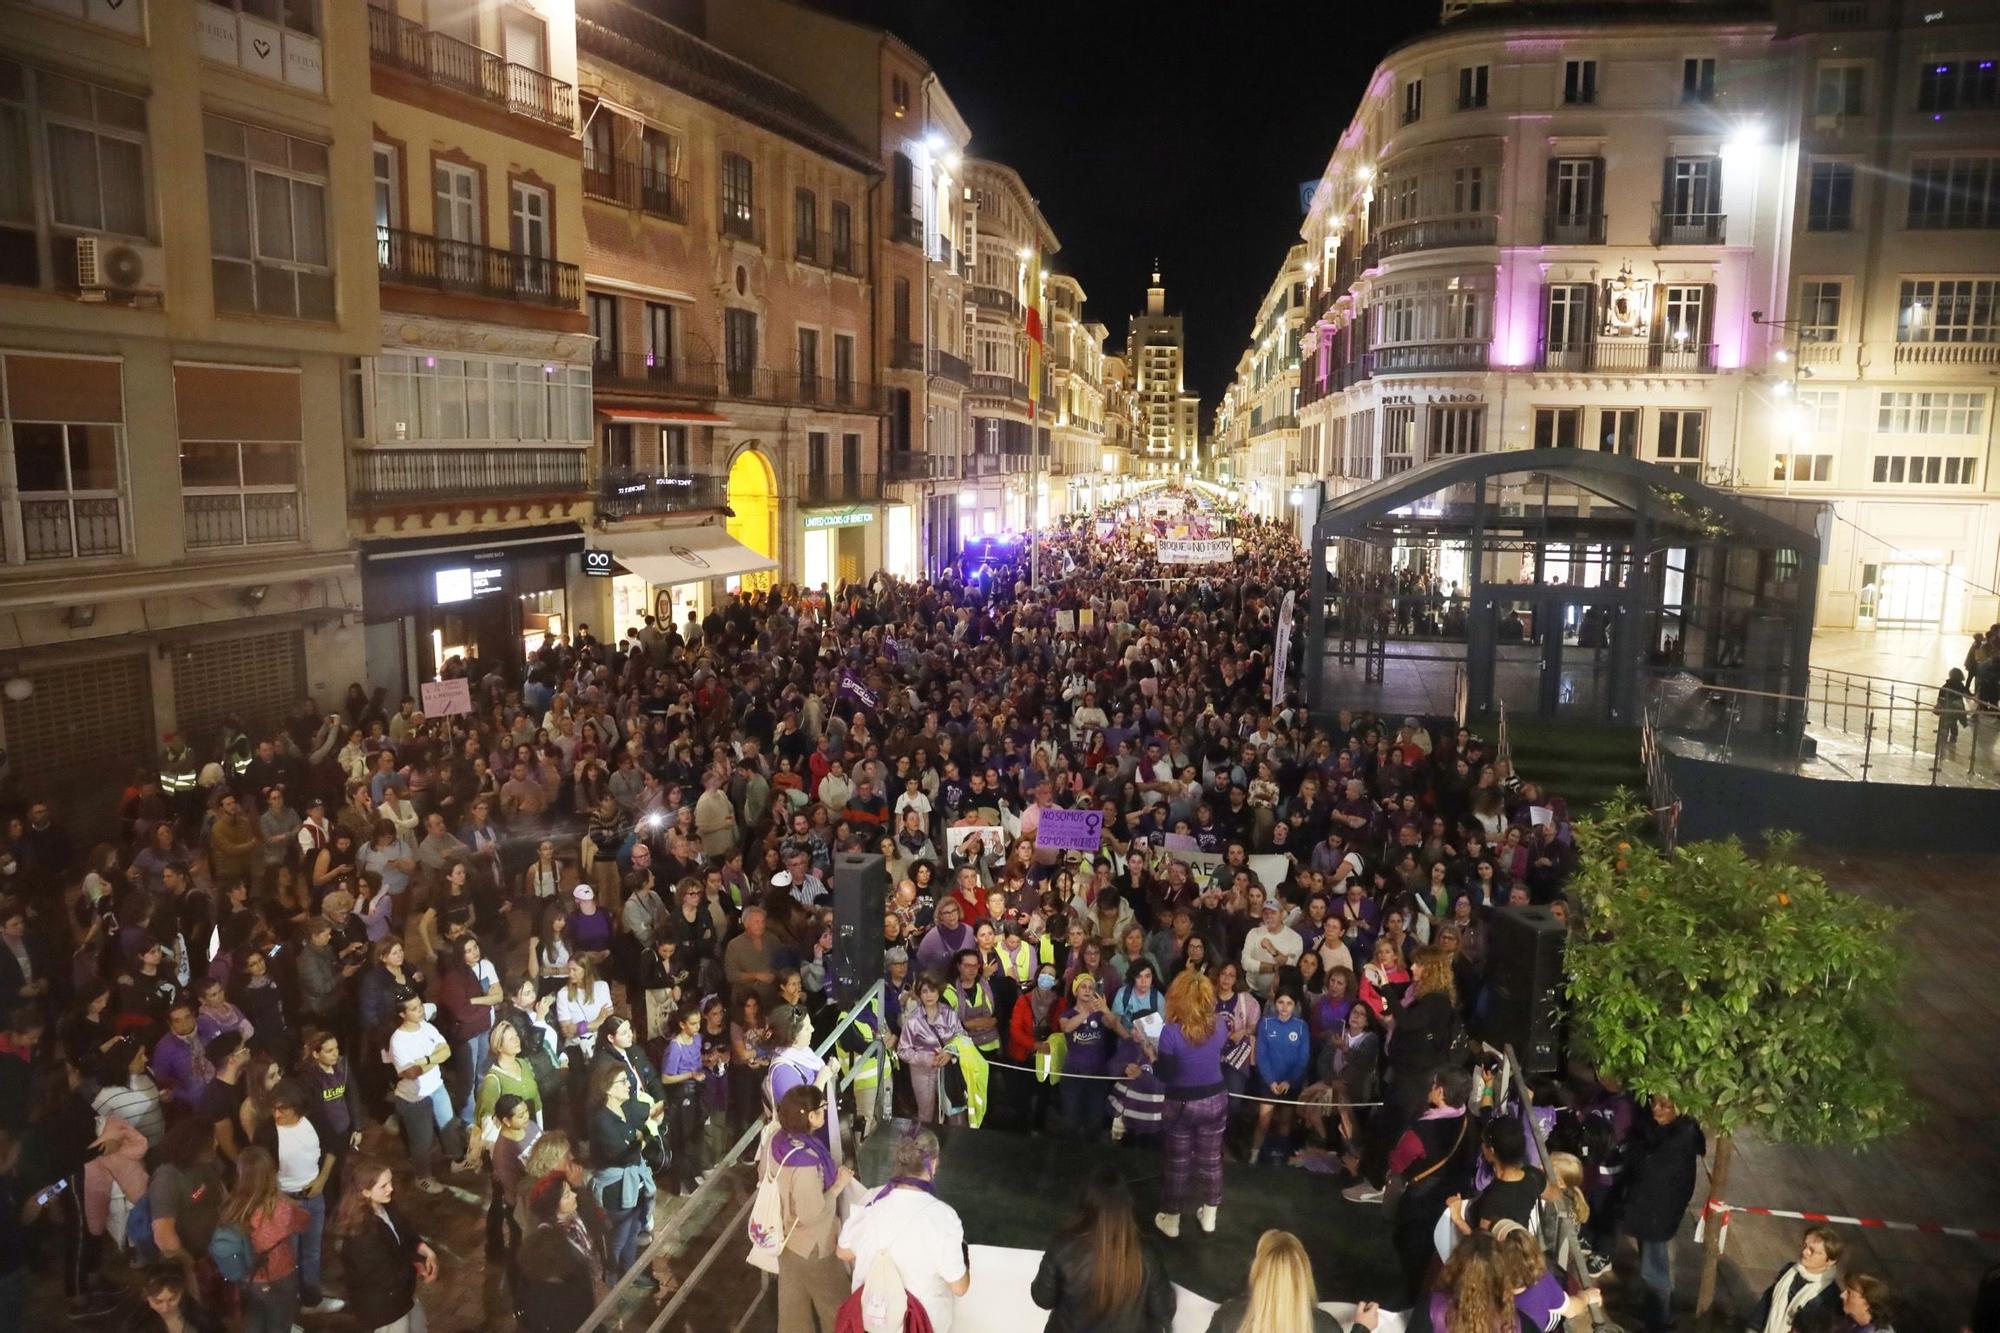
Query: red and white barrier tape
x,y
1723,1210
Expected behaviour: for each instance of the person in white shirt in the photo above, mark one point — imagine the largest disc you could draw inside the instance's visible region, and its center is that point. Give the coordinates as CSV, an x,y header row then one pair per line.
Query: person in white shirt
x,y
304,1167
906,1222
580,1005
1268,947
415,1051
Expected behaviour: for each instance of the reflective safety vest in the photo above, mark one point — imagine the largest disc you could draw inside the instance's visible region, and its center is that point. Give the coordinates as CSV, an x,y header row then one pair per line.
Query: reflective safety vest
x,y
1019,966
1048,1068
972,1065
177,770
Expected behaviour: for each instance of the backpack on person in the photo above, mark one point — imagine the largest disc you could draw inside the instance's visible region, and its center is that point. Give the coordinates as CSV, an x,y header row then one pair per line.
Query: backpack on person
x,y
139,1230
768,1232
230,1250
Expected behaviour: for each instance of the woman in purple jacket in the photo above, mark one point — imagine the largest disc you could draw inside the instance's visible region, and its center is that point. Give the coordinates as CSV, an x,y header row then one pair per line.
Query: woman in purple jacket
x,y
1188,1060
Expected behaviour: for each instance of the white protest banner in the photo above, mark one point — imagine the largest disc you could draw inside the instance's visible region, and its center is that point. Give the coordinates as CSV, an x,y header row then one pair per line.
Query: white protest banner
x,y
444,698
1065,622
1194,550
1281,652
992,841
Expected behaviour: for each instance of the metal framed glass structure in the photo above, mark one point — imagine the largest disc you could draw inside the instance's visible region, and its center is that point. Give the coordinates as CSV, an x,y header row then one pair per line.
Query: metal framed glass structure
x,y
1556,581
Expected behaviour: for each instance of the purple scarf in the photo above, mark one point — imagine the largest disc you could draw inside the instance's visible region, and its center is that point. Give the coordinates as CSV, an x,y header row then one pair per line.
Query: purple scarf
x,y
788,1147
914,1182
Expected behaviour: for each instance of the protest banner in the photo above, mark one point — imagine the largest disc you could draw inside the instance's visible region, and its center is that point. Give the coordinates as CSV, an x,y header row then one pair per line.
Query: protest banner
x,y
445,698
853,687
1281,655
1194,550
1065,622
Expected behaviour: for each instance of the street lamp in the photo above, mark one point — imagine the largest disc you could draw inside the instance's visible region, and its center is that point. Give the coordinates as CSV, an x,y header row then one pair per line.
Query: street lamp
x,y
1796,416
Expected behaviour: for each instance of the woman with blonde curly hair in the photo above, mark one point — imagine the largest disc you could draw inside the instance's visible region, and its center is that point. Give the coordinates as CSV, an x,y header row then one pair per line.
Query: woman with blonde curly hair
x,y
1187,1057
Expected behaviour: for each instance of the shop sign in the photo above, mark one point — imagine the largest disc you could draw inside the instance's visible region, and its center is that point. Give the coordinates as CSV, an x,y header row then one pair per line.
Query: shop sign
x,y
597,564
463,583
840,518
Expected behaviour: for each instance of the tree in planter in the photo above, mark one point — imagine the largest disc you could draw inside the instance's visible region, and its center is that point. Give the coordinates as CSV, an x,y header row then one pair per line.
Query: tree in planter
x,y
1741,986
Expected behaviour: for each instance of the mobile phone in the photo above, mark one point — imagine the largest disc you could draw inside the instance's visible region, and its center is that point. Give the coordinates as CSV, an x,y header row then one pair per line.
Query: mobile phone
x,y
42,1199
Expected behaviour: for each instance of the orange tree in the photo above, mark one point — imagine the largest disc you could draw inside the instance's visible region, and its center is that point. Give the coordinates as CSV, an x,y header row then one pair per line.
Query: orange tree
x,y
1741,986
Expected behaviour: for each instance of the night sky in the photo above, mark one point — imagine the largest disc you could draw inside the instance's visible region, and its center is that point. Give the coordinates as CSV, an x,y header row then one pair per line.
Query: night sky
x,y
1181,128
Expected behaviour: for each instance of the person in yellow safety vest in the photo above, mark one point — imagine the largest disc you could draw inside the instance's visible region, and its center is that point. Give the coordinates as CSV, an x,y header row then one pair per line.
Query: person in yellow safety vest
x,y
236,749
1017,957
179,774
888,1008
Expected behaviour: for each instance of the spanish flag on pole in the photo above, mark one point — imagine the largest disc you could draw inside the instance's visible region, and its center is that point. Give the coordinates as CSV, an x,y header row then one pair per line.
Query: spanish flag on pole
x,y
1033,307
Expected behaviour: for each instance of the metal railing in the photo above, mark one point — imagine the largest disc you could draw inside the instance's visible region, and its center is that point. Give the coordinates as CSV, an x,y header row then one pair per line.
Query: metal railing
x,y
389,475
1438,233
1412,358
655,373
946,366
68,527
1676,228
1666,806
907,228
413,259
746,227
992,298
839,488
1576,230
1867,728
998,386
404,44
1684,358
905,354
919,465
628,492
732,1233
649,191
251,518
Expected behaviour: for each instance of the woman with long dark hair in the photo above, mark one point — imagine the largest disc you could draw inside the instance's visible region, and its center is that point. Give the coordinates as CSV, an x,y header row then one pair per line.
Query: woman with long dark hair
x,y
1099,1274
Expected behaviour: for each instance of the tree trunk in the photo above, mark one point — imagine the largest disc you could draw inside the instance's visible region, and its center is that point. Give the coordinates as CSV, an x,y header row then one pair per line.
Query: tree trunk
x,y
1711,1236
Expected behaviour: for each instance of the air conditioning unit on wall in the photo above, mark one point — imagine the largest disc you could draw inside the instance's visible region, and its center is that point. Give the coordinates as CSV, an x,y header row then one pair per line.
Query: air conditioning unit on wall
x,y
113,266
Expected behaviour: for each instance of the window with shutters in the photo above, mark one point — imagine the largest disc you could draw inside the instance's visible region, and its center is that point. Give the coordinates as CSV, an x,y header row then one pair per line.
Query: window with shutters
x,y
1558,427
1830,196
805,227
1940,310
1413,101
1698,79
809,364
1684,310
1679,444
739,347
1952,193
1618,431
1472,83
1566,320
1820,302
1575,202
840,226
1457,430
1839,88
1694,189
739,200
1579,82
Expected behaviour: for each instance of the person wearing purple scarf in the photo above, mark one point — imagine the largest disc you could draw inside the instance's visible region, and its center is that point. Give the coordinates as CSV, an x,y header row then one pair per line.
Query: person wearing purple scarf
x,y
948,934
796,1065
812,1281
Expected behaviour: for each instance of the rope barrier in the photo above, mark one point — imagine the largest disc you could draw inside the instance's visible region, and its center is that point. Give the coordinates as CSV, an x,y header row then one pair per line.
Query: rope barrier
x,y
1239,1096
1724,1210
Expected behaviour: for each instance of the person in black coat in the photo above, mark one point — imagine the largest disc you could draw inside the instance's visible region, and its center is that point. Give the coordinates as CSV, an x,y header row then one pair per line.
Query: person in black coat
x,y
1807,1289
1425,1029
1099,1274
1656,1187
381,1253
551,1272
1281,1279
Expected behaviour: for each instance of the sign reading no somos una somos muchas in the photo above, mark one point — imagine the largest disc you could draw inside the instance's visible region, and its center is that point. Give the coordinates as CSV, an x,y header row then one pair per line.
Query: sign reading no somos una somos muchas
x,y
1195,550
1070,830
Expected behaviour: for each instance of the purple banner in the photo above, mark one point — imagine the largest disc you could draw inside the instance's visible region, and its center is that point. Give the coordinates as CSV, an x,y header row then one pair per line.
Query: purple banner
x,y
851,685
1070,830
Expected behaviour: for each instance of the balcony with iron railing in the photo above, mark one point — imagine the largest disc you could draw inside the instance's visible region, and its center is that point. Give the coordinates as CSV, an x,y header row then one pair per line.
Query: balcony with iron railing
x,y
1573,229
1674,227
71,526
402,44
629,492
741,225
1675,356
905,354
919,465
988,384
1437,233
993,298
396,475
633,186
652,373
413,259
1418,358
907,229
1270,425
948,367
820,489
239,518
822,249
762,384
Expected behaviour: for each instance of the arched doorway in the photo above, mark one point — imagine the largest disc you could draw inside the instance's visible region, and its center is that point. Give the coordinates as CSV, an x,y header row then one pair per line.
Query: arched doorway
x,y
753,500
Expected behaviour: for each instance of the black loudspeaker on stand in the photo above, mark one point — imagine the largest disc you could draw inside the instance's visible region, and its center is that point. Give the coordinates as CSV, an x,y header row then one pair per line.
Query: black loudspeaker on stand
x,y
1524,957
860,897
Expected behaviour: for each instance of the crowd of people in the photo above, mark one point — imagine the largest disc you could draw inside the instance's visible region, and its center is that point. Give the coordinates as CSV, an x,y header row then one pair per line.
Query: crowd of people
x,y
566,948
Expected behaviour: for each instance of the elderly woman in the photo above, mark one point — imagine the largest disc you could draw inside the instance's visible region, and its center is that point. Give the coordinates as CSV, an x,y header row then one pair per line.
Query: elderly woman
x,y
948,935
929,1028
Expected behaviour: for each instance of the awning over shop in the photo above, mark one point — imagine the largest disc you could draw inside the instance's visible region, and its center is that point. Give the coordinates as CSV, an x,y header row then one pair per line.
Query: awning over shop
x,y
667,417
666,556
